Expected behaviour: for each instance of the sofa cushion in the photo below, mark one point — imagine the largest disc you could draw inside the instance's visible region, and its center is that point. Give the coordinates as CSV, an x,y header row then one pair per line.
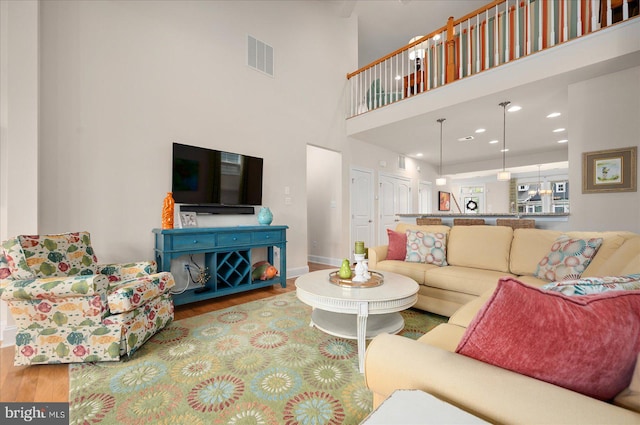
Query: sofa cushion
x,y
630,397
413,270
568,258
587,344
481,247
595,285
445,336
428,228
611,242
426,247
463,279
626,260
528,247
397,249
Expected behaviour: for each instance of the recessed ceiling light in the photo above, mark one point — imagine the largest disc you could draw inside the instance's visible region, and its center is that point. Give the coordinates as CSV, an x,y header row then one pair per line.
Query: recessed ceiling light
x,y
465,139
418,154
514,108
480,130
554,114
493,142
563,141
504,150
558,130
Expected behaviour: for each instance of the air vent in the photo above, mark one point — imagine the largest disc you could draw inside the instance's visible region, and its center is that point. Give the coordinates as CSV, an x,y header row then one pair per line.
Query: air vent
x,y
259,56
465,139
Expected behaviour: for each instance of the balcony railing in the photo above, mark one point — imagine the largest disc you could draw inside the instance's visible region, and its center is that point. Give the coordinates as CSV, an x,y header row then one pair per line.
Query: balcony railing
x,y
500,32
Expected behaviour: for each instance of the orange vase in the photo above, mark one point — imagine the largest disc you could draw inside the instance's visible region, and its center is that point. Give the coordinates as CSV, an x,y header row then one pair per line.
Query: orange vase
x,y
167,211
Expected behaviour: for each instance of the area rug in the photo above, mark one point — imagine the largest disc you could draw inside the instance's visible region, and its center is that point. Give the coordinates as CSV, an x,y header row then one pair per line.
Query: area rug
x,y
255,363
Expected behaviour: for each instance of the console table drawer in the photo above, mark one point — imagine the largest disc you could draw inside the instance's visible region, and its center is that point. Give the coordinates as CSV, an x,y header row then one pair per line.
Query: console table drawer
x,y
231,239
260,237
193,242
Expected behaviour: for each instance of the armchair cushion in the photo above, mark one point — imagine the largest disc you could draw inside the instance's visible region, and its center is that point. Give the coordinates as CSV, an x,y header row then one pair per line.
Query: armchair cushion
x,y
131,294
65,254
119,272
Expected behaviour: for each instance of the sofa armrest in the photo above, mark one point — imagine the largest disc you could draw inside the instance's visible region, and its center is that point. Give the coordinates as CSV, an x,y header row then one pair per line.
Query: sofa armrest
x,y
55,287
377,253
489,392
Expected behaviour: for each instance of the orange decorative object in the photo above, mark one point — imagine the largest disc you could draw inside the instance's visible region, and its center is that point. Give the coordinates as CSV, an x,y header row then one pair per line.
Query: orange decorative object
x,y
167,211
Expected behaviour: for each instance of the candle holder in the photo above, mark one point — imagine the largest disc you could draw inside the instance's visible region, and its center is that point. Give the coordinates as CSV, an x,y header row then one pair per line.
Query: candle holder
x,y
362,269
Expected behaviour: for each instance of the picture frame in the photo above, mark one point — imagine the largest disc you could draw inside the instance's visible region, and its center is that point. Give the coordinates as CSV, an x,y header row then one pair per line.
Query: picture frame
x,y
188,219
444,201
610,170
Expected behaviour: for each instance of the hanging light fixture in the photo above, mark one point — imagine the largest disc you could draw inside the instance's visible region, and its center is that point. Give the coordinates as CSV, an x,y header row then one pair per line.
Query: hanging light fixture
x,y
504,175
540,191
441,181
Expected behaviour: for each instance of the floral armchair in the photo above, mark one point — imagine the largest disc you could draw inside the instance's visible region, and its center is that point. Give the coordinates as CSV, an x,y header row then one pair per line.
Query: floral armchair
x,y
68,308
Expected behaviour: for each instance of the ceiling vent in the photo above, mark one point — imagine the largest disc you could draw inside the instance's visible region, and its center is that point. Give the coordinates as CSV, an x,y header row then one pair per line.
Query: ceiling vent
x,y
259,56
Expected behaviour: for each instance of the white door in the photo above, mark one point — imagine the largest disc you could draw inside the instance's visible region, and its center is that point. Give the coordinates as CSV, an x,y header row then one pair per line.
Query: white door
x,y
394,198
361,194
424,198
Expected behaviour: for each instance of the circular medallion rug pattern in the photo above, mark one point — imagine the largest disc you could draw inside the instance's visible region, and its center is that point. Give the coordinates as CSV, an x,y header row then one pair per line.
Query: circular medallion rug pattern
x,y
255,363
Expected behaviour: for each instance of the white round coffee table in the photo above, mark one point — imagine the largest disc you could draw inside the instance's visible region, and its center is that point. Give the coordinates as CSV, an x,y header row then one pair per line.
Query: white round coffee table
x,y
345,311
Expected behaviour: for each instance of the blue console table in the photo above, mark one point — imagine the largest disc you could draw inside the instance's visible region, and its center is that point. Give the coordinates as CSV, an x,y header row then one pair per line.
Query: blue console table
x,y
227,254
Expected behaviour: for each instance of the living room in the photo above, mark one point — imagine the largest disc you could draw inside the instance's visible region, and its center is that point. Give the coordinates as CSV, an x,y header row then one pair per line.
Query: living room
x,y
95,93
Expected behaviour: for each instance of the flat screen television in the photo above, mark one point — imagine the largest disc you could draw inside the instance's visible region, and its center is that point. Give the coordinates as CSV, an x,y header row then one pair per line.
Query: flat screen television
x,y
209,177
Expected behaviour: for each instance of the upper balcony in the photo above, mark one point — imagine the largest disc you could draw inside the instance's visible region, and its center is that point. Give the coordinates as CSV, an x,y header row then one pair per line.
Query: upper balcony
x,y
499,33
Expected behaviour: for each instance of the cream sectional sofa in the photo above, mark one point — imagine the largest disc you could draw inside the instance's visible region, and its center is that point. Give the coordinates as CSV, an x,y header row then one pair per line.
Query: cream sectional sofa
x,y
478,256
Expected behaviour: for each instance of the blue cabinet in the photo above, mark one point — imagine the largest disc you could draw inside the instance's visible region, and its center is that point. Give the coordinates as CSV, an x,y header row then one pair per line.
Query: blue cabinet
x,y
227,256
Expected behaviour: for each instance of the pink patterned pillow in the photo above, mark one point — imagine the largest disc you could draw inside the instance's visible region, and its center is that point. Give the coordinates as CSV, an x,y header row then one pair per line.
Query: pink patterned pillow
x,y
588,344
423,247
397,245
568,258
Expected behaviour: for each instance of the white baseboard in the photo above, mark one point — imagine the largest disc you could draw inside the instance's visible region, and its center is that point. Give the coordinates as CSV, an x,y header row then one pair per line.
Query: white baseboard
x,y
297,272
336,262
8,334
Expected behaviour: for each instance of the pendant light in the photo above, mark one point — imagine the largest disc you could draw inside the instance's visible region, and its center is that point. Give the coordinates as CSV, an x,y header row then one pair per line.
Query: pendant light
x,y
504,175
441,181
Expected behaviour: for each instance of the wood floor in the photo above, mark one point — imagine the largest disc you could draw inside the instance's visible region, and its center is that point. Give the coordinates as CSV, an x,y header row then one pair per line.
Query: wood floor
x,y
50,383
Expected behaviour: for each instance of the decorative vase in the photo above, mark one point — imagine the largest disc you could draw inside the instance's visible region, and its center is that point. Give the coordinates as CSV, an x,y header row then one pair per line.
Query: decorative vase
x,y
167,211
264,216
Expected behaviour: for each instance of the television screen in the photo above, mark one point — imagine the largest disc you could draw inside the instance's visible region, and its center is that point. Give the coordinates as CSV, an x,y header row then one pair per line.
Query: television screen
x,y
207,176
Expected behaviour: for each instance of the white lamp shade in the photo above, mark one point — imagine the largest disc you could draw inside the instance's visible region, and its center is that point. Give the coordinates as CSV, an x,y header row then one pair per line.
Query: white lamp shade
x,y
441,181
504,176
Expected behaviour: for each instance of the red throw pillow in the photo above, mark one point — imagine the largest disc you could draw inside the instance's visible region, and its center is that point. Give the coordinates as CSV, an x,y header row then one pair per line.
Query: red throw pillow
x,y
588,344
397,245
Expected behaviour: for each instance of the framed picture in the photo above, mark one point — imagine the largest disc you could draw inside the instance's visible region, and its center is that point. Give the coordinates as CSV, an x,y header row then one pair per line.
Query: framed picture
x,y
611,170
444,203
188,219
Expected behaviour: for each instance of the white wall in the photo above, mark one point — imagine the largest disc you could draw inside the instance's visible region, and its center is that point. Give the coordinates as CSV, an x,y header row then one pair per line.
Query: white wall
x,y
122,80
605,114
18,128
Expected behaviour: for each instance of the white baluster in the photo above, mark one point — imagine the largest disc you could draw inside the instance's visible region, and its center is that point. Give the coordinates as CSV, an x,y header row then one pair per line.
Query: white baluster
x,y
579,22
469,46
528,17
478,51
506,33
444,61
594,17
565,23
460,61
496,40
486,37
540,29
609,13
625,10
517,31
552,24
